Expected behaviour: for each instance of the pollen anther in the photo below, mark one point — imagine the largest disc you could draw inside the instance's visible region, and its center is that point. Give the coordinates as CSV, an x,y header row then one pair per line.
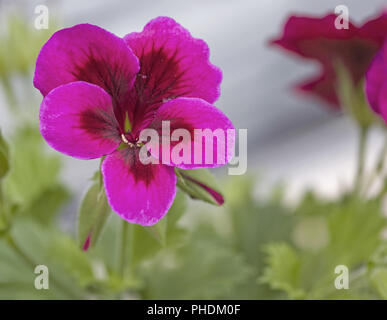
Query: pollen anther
x,y
126,141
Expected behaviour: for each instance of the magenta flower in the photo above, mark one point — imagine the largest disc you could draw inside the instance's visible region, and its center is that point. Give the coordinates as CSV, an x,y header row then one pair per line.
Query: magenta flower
x,y
376,83
100,91
318,39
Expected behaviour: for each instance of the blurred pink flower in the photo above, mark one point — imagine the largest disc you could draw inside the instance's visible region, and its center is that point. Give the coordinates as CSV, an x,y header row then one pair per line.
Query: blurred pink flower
x,y
318,39
376,83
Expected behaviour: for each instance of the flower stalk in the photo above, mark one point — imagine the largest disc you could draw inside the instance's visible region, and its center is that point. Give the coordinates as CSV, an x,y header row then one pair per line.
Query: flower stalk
x,y
358,180
124,234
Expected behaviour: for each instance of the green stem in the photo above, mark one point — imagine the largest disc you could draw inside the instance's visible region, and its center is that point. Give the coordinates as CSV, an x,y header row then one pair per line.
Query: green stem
x,y
4,223
379,167
18,250
123,247
360,158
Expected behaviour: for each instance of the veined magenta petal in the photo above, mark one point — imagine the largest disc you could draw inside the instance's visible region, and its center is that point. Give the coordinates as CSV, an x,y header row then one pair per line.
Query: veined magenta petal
x,y
140,194
77,119
375,78
197,117
173,64
87,53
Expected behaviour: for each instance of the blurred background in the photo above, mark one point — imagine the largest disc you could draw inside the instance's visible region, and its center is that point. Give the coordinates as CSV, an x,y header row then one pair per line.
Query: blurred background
x,y
297,141
283,128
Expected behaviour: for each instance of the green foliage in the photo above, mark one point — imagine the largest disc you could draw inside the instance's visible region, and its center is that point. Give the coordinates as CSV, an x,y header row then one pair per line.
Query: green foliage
x,y
41,246
93,215
377,270
4,154
33,170
20,45
206,268
269,251
148,240
283,270
255,224
352,232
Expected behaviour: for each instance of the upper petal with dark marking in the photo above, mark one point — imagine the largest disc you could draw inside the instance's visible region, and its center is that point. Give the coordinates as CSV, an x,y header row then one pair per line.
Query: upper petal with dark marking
x,y
173,64
87,53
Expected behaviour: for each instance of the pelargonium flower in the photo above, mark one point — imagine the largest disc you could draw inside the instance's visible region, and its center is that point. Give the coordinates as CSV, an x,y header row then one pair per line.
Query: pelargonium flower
x,y
100,91
318,39
376,83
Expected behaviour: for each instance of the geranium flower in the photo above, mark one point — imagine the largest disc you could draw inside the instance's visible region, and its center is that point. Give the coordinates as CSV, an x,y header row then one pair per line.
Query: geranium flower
x,y
100,91
376,83
318,39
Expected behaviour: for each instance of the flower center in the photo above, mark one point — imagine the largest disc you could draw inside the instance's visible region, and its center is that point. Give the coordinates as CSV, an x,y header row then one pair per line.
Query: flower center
x,y
130,141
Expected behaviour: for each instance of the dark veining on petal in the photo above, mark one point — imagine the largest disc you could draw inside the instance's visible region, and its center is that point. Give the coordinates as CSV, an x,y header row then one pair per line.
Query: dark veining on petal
x,y
159,80
99,123
108,76
140,172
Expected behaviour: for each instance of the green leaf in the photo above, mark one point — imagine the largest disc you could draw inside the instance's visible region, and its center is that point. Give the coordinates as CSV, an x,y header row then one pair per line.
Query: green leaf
x,y
4,154
159,230
342,232
166,229
377,269
378,279
200,184
45,208
354,224
41,245
33,171
65,251
206,268
283,270
256,223
93,215
167,232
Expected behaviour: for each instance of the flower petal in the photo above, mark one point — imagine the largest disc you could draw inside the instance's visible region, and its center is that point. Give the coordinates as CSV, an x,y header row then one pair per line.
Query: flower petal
x,y
140,194
299,31
318,39
87,53
382,101
196,115
78,120
375,78
173,64
323,87
376,28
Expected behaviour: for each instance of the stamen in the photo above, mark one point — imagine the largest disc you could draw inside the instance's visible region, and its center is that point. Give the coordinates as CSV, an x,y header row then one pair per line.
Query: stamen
x,y
126,141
